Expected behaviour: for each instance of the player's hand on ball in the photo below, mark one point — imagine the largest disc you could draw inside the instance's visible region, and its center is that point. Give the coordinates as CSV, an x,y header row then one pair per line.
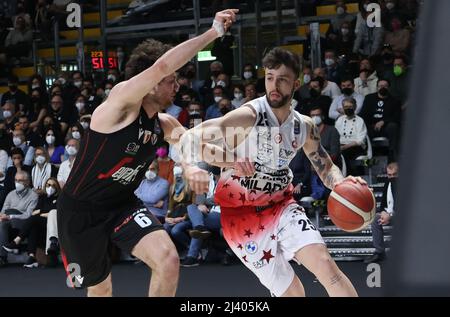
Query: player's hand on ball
x,y
244,167
198,179
353,179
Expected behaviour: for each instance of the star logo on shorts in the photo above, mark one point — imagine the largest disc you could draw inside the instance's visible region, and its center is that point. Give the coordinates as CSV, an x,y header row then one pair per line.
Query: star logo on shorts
x,y
253,191
240,247
273,237
248,233
245,258
267,255
234,177
226,185
262,228
231,195
242,197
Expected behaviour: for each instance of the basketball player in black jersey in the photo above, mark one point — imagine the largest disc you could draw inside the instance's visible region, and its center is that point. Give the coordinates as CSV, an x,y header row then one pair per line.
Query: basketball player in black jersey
x,y
98,206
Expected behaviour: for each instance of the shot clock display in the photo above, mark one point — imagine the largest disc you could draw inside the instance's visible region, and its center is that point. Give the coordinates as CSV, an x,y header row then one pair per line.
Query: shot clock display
x,y
98,63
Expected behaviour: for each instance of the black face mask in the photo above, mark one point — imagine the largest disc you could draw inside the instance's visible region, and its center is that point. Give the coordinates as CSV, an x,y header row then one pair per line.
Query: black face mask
x,y
184,103
190,74
215,73
13,88
347,91
225,110
34,99
314,93
384,92
349,112
387,57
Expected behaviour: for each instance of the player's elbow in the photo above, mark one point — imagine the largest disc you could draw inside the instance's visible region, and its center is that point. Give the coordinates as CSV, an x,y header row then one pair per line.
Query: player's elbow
x,y
162,68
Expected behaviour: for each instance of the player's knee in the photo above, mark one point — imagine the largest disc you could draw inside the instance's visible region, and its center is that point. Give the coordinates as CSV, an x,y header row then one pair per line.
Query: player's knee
x,y
101,290
326,268
170,262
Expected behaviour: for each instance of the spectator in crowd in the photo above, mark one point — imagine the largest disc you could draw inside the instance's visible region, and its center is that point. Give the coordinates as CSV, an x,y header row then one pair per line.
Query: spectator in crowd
x,y
381,113
317,99
301,169
42,170
195,114
80,105
249,74
154,192
223,80
17,97
19,205
31,137
42,19
250,92
9,114
339,19
37,82
85,121
238,94
333,71
366,83
41,223
17,158
38,109
3,166
20,142
190,73
329,136
165,164
389,9
213,111
75,131
399,78
61,114
353,133
384,218
305,79
369,40
329,88
348,91
397,36
72,148
215,68
384,68
53,146
344,40
18,42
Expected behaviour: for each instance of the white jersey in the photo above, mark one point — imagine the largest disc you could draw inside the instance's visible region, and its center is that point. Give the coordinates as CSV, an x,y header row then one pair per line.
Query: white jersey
x,y
271,147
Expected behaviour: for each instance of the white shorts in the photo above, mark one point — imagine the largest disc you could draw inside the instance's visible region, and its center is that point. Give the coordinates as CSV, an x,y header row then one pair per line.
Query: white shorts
x,y
270,241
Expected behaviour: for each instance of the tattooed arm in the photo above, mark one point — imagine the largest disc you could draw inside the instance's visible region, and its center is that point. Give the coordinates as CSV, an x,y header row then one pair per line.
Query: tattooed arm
x,y
329,173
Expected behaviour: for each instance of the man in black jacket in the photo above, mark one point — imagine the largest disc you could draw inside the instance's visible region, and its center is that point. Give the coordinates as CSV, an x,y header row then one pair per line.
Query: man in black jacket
x,y
384,217
381,113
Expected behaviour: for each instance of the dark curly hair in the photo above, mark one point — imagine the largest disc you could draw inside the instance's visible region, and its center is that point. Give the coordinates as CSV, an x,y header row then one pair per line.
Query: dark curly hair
x,y
144,56
279,56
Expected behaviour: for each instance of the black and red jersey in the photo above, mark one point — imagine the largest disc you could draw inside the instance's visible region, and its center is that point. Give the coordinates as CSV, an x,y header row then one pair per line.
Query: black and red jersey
x,y
109,167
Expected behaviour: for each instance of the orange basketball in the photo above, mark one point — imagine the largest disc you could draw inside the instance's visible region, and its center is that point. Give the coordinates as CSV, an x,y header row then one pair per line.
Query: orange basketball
x,y
351,206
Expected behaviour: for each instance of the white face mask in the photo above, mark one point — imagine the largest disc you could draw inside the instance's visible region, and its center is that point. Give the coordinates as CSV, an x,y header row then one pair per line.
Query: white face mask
x,y
317,120
340,11
78,83
17,141
61,80
20,187
111,77
248,75
390,5
329,61
238,96
221,83
76,135
80,106
35,86
71,150
40,159
107,91
192,113
217,99
7,114
365,7
50,191
177,171
50,139
150,175
345,31
306,78
85,125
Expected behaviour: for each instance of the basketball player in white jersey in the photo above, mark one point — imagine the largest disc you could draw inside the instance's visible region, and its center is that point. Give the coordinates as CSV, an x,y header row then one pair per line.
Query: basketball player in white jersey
x,y
261,222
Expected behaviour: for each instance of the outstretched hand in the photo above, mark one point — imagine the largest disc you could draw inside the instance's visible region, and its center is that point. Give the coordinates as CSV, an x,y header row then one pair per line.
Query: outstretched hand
x,y
223,20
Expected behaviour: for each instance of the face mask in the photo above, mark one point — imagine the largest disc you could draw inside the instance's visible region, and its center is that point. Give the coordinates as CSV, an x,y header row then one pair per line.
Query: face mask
x,y
78,83
398,70
349,112
317,120
215,73
111,77
248,75
238,96
107,91
347,91
150,175
76,135
384,92
390,5
80,106
71,150
85,125
194,113
50,139
340,10
20,187
345,31
7,114
17,141
365,7
221,83
387,56
329,61
50,191
62,81
35,86
225,110
161,152
40,159
177,171
306,79
217,99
